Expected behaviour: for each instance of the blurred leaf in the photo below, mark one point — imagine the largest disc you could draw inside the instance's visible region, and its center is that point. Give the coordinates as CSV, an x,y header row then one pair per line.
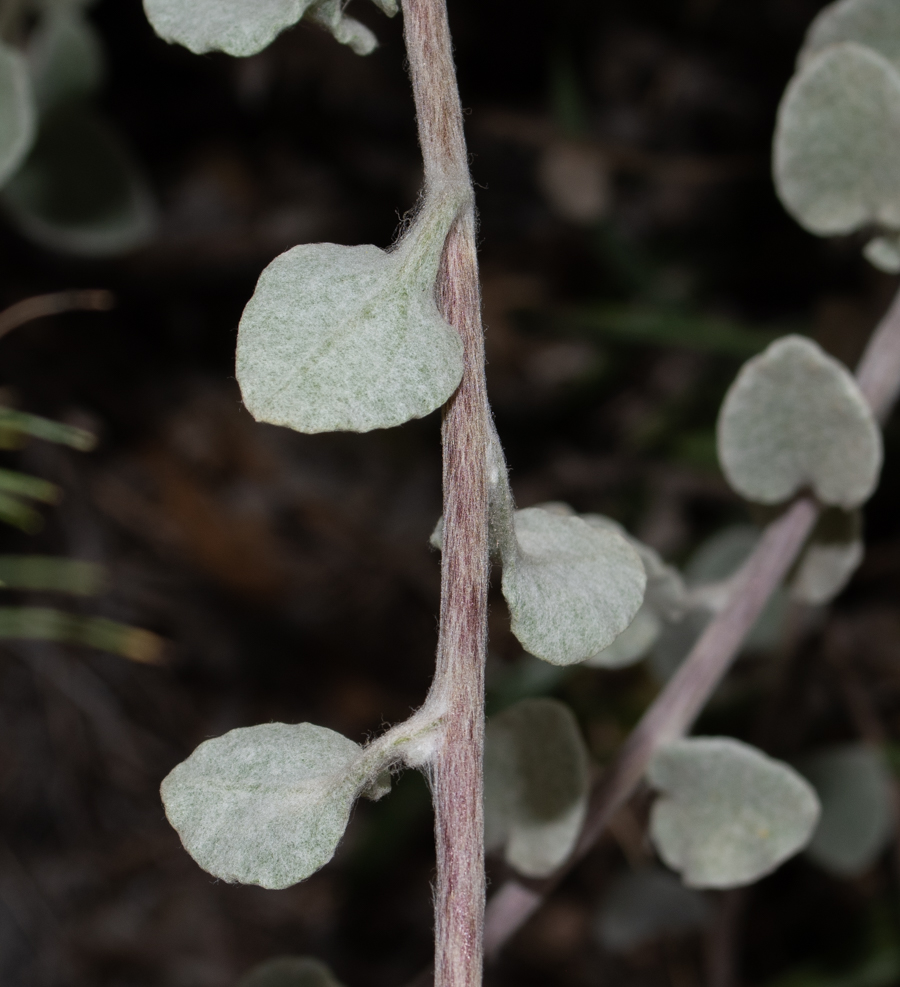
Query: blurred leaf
x,y
571,588
290,971
647,904
268,804
19,422
728,814
873,23
883,252
19,514
45,572
837,139
632,644
833,554
795,417
245,27
79,191
660,327
65,56
45,624
24,485
855,789
535,784
18,115
350,338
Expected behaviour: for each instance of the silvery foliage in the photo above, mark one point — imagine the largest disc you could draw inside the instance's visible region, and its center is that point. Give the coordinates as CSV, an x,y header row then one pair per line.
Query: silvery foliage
x,y
65,58
245,27
854,785
573,585
708,577
535,784
728,814
838,130
795,418
18,111
290,971
833,554
350,338
665,602
268,804
647,904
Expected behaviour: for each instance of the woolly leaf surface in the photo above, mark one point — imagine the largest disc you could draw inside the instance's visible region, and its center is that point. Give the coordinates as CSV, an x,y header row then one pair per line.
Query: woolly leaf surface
x,y
854,787
873,23
80,191
837,139
18,113
350,338
571,588
290,971
632,644
793,418
647,904
65,57
265,805
728,813
535,784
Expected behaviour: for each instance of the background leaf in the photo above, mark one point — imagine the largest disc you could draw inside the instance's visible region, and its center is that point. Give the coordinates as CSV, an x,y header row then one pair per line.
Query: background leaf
x,y
836,142
79,192
854,786
728,814
535,784
65,58
873,23
290,971
794,417
647,904
18,115
571,588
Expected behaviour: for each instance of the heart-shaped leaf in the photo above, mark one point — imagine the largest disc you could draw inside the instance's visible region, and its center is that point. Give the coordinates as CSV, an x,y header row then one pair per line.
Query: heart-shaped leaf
x,y
793,418
854,786
350,338
572,588
79,191
728,813
837,140
873,23
65,57
290,971
18,113
535,784
245,27
648,904
268,804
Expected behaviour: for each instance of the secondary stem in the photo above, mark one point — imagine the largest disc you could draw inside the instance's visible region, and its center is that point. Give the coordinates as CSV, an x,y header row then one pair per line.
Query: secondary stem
x,y
459,677
676,707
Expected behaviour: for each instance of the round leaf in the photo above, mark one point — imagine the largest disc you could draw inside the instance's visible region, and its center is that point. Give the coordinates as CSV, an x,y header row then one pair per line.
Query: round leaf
x,y
350,338
571,588
729,814
793,418
883,252
632,644
290,971
854,787
238,27
17,111
267,804
873,23
837,140
535,784
646,905
79,191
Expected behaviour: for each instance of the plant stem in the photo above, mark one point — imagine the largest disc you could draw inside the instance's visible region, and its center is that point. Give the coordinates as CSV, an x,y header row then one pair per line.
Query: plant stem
x,y
459,678
685,695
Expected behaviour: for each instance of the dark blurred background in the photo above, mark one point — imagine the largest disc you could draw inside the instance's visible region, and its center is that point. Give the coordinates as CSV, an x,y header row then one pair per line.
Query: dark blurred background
x,y
634,255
